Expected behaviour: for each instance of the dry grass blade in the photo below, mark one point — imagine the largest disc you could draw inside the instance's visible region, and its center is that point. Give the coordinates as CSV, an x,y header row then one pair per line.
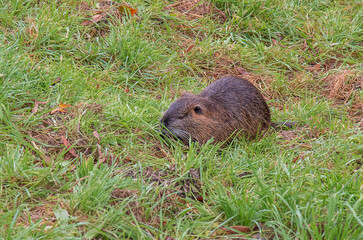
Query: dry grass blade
x,y
95,19
100,155
236,229
68,146
96,135
36,105
189,48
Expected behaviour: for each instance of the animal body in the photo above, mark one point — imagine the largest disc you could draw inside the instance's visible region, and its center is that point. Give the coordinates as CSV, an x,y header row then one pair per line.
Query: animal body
x,y
228,106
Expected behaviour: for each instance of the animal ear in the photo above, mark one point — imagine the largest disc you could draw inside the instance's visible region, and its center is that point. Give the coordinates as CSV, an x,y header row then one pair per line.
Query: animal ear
x,y
198,109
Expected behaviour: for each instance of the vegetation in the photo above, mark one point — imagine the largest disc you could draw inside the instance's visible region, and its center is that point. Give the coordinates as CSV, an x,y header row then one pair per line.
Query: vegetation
x,y
83,84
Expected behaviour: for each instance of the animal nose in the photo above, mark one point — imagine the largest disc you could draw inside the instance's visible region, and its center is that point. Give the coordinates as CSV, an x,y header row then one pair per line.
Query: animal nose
x,y
164,121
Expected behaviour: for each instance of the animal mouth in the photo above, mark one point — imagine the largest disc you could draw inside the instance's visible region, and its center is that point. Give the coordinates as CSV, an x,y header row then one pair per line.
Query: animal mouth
x,y
177,134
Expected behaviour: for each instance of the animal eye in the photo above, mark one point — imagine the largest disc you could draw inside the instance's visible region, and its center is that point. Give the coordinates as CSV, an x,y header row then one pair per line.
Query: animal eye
x,y
180,117
198,109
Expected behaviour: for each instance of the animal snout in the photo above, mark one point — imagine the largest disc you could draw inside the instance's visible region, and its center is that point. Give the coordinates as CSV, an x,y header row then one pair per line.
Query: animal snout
x,y
164,121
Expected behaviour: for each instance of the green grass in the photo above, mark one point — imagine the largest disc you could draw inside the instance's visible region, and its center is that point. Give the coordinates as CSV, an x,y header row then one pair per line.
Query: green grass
x,y
120,75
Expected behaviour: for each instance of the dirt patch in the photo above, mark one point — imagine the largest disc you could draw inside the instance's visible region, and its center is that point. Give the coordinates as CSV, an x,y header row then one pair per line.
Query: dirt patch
x,y
289,131
191,10
42,212
187,186
342,84
48,137
135,206
332,63
345,86
325,66
296,137
123,193
190,186
308,81
195,9
221,66
104,13
82,7
160,152
46,212
154,147
288,135
174,189
261,82
151,175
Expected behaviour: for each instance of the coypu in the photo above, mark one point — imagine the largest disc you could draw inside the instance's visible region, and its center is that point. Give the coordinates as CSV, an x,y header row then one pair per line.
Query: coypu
x,y
228,106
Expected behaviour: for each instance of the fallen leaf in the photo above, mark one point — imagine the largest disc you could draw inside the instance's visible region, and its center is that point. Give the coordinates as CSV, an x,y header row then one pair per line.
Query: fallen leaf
x,y
245,174
64,105
36,105
313,68
346,8
181,200
127,9
57,80
189,48
236,229
96,18
57,110
68,146
200,199
295,159
61,108
127,89
35,108
305,45
242,71
96,135
41,152
100,155
86,23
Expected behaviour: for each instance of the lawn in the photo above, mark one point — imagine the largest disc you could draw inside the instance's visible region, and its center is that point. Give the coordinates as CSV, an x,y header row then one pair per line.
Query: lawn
x,y
83,85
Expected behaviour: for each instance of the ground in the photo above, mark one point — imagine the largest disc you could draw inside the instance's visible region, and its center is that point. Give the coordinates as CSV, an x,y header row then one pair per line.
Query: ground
x,y
83,85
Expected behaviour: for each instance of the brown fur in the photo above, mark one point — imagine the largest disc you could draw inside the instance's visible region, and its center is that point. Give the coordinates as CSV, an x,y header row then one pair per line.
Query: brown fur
x,y
228,106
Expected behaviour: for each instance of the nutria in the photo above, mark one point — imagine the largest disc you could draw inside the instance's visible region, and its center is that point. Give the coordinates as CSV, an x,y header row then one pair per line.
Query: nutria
x,y
228,106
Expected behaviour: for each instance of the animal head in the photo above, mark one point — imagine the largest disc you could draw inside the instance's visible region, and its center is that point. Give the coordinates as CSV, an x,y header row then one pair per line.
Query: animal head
x,y
189,117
